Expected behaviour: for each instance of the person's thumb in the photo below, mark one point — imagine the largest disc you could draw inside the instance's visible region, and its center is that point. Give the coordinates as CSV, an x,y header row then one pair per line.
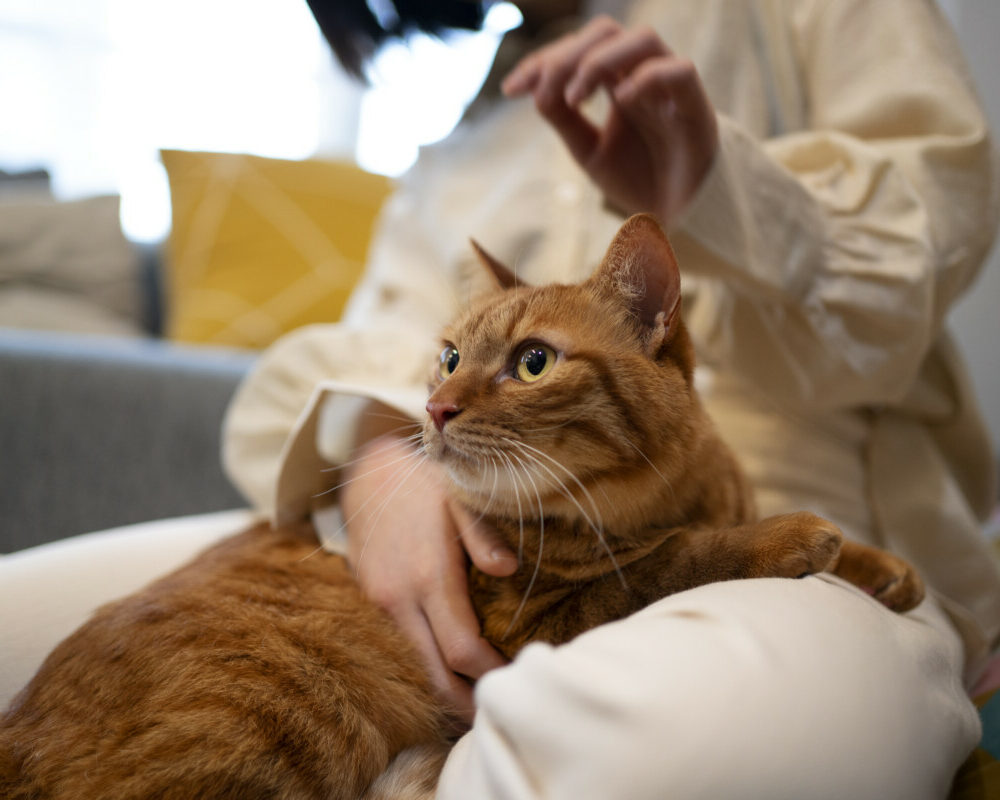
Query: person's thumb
x,y
483,544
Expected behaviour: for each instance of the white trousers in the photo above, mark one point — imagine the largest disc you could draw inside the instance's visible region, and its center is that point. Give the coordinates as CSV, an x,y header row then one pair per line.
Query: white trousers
x,y
748,689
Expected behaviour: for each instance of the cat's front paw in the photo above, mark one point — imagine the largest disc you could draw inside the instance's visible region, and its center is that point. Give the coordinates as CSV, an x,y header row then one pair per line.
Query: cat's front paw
x,y
903,590
886,577
796,545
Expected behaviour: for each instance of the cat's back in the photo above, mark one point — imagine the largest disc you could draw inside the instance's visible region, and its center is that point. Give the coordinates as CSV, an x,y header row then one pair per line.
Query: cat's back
x,y
258,670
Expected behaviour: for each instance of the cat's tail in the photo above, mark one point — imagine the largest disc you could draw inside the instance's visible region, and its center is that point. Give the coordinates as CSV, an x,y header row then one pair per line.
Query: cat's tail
x,y
412,775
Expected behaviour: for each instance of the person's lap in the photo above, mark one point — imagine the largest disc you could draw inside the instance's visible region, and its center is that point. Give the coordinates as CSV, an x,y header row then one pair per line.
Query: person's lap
x,y
766,688
769,688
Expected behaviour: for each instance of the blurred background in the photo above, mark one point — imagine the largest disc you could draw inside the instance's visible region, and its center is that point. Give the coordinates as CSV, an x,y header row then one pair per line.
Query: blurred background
x,y
93,89
202,172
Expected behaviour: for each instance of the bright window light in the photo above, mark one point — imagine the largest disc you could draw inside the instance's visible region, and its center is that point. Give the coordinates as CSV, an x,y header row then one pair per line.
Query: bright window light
x,y
420,89
93,89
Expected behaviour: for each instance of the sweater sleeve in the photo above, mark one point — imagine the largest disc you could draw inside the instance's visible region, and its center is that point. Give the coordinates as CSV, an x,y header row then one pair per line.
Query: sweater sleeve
x,y
832,254
716,692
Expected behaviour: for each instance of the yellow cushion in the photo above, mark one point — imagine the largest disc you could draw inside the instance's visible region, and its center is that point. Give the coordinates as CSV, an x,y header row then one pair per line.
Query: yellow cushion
x,y
260,246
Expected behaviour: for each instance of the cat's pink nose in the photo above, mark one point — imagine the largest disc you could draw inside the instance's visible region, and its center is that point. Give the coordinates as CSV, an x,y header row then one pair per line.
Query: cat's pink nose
x,y
441,411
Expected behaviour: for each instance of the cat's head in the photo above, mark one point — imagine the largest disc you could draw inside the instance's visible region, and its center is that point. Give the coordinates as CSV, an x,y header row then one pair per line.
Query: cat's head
x,y
542,392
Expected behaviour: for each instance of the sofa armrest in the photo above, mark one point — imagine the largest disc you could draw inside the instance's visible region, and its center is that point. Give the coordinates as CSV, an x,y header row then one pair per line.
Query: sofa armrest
x,y
97,432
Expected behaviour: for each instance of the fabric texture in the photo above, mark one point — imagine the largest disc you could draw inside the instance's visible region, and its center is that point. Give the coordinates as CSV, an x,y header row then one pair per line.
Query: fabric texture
x,y
769,689
66,266
101,431
261,246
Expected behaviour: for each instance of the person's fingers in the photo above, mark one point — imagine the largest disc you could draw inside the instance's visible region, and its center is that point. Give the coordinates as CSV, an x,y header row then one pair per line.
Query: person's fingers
x,y
544,74
451,639
663,89
664,102
484,547
560,60
521,80
446,605
456,630
579,134
451,688
527,73
612,59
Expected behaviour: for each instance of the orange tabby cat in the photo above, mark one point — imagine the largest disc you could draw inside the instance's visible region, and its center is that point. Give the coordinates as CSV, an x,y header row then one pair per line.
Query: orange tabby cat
x,y
566,415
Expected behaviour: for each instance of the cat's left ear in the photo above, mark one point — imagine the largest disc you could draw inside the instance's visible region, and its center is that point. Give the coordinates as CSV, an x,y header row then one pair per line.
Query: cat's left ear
x,y
641,267
502,277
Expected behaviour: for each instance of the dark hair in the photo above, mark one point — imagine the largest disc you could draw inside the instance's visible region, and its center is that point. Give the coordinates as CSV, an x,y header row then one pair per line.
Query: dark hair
x,y
355,32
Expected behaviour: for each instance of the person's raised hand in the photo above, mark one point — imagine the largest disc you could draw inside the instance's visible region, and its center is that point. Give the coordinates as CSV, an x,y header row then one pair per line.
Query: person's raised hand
x,y
660,136
409,547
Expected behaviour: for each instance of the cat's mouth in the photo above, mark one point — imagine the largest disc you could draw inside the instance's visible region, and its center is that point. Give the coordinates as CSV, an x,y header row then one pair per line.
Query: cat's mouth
x,y
464,469
502,477
456,448
439,448
470,469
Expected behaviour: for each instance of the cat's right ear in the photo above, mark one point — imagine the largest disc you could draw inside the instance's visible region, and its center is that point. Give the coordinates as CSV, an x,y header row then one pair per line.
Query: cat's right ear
x,y
640,266
502,277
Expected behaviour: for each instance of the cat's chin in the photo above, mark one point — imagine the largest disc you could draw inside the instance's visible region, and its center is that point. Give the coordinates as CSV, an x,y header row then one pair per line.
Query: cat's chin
x,y
485,496
497,488
466,472
470,478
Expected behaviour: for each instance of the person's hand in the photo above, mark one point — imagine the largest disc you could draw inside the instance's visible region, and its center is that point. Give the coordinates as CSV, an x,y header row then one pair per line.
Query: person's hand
x,y
408,545
660,136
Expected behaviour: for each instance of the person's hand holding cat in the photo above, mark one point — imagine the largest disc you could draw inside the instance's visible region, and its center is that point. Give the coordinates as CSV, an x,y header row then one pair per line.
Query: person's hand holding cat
x,y
660,136
408,549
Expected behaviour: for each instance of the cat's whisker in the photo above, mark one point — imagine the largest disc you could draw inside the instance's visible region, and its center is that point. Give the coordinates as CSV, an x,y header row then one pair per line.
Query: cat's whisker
x,y
526,473
517,498
408,425
485,509
517,263
413,438
309,555
653,466
409,440
564,490
406,420
528,451
563,424
417,456
538,560
496,485
385,504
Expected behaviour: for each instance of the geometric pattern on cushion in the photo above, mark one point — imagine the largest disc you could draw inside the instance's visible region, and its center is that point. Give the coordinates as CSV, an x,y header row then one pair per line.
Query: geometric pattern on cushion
x,y
260,246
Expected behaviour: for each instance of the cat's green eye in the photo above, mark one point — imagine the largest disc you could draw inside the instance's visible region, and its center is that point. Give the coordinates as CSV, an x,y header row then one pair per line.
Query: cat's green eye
x,y
534,361
449,361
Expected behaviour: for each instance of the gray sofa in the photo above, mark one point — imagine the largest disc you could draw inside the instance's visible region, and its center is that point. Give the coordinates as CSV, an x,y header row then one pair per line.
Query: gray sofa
x,y
100,431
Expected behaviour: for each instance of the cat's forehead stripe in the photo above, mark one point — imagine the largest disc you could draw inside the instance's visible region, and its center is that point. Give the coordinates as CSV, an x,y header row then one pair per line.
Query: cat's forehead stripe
x,y
561,316
500,320
523,312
